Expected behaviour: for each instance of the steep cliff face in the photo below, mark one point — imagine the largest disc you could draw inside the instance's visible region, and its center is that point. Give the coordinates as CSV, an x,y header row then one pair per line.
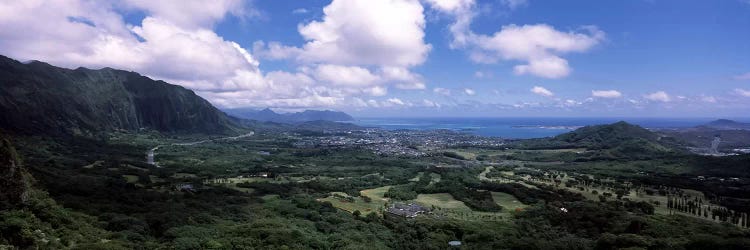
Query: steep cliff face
x,y
15,182
40,98
167,107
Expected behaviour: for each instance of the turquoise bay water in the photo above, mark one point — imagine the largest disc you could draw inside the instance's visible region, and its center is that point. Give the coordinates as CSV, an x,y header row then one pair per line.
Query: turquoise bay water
x,y
521,128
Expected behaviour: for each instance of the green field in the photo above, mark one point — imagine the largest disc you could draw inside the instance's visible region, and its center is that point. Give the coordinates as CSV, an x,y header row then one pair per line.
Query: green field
x,y
376,205
443,204
441,200
93,165
155,179
418,177
507,201
465,154
376,193
235,180
483,177
130,178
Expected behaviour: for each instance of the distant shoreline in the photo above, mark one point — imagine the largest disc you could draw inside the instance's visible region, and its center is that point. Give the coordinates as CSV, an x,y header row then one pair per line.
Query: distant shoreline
x,y
521,127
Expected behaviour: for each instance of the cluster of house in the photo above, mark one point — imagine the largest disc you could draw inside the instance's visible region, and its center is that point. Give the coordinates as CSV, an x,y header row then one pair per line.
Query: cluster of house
x,y
410,210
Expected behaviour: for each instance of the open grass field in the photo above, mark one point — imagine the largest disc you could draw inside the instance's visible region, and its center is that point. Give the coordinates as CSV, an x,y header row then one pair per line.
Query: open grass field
x,y
446,206
374,206
507,201
488,169
269,197
155,179
441,200
376,193
94,164
130,178
465,154
418,177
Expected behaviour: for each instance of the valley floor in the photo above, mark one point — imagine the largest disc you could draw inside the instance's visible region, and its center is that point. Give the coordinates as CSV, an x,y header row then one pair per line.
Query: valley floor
x,y
265,190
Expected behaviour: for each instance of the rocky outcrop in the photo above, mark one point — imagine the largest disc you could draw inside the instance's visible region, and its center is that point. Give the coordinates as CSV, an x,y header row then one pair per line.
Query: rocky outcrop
x,y
15,181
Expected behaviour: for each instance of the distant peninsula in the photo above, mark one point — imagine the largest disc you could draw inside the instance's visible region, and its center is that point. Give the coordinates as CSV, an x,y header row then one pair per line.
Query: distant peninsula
x,y
296,117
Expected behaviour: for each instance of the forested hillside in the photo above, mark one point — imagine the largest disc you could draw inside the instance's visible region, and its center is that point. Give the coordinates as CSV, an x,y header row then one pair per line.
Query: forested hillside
x,y
40,98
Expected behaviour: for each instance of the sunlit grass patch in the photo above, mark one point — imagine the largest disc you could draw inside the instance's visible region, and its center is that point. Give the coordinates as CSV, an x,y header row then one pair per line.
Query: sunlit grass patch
x,y
418,177
507,201
350,204
130,178
376,193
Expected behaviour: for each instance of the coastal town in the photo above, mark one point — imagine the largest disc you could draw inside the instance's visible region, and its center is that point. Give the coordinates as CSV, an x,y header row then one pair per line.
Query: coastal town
x,y
414,143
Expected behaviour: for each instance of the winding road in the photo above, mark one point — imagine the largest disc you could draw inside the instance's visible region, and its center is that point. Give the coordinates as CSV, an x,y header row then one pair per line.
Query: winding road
x,y
151,153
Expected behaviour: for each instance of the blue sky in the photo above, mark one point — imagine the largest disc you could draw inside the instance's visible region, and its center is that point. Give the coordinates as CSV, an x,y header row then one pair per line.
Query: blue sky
x,y
412,58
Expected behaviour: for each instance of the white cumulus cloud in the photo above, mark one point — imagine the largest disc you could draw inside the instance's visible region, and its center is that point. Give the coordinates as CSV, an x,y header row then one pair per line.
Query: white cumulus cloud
x,y
345,75
742,92
659,96
542,91
442,91
363,32
430,104
356,35
538,47
192,14
390,102
606,93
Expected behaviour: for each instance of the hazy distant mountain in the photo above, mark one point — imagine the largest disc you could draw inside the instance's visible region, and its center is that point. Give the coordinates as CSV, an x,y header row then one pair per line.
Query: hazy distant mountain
x,y
733,134
40,98
305,116
726,124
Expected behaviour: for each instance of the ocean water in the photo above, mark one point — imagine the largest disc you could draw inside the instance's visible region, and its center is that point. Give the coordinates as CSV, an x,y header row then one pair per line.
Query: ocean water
x,y
522,128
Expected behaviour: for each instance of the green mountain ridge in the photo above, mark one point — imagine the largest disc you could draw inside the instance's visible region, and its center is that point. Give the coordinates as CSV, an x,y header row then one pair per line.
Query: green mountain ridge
x,y
620,140
38,98
608,135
